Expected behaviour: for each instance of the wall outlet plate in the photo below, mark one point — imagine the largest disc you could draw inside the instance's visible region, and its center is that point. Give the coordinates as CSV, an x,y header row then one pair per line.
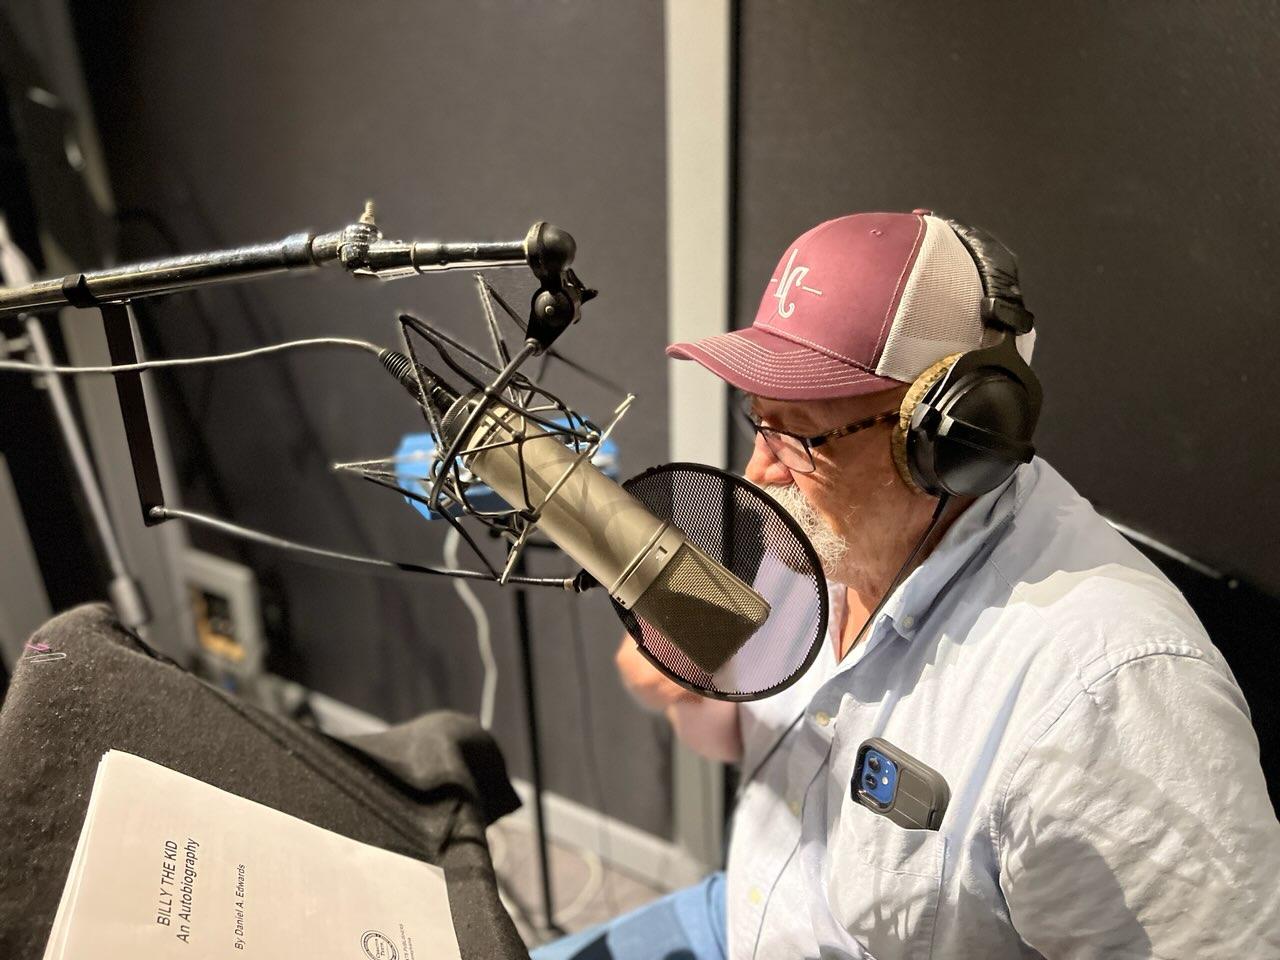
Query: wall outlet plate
x,y
224,601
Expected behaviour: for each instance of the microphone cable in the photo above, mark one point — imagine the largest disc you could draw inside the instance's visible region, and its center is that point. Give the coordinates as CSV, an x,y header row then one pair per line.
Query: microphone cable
x,y
23,366
349,559
247,533
943,502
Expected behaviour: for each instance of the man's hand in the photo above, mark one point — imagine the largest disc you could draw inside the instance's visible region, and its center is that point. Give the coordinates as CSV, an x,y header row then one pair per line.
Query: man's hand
x,y
707,727
646,684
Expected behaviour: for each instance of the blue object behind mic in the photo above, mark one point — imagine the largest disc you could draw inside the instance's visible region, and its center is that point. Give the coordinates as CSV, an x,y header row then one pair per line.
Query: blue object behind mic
x,y
416,454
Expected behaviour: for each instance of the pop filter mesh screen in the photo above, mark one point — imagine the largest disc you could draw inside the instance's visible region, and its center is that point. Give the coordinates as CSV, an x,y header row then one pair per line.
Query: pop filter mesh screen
x,y
742,528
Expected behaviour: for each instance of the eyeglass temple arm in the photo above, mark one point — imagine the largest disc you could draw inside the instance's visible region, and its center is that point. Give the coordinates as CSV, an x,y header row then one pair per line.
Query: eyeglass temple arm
x,y
851,428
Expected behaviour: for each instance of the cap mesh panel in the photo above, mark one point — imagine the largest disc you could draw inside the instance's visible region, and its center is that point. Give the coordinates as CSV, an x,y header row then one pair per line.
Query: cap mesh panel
x,y
940,311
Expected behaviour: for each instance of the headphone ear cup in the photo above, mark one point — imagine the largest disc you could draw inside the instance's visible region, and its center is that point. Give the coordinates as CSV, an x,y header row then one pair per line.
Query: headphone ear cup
x,y
972,428
988,400
919,388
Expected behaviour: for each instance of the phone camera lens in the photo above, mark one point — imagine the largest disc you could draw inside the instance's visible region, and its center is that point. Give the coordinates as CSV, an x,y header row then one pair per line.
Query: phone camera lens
x,y
870,781
873,763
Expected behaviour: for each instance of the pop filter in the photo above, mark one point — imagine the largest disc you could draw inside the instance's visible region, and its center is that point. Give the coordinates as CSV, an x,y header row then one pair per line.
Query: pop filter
x,y
741,527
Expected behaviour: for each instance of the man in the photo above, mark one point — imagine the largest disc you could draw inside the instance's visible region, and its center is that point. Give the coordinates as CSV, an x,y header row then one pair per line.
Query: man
x,y
1106,798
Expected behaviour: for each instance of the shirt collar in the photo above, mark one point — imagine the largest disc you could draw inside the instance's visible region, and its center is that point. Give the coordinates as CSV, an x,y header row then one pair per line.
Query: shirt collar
x,y
910,604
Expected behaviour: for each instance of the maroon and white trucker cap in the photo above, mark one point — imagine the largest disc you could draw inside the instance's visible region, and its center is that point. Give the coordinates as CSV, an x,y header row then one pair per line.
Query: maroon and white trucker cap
x,y
857,304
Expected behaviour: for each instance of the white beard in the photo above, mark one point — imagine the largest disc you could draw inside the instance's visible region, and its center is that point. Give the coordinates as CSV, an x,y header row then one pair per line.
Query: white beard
x,y
830,547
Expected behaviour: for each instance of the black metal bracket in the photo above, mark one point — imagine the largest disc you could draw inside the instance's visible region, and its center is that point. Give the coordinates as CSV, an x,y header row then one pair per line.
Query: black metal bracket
x,y
117,323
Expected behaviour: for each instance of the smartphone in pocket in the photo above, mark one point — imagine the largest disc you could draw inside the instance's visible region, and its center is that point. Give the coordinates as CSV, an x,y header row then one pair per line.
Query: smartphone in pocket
x,y
889,781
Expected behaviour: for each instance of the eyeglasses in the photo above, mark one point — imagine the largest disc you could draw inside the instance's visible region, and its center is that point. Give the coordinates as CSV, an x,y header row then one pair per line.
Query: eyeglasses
x,y
795,452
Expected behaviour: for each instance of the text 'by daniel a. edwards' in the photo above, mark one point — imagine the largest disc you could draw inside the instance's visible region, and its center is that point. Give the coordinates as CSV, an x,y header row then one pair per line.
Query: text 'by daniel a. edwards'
x,y
238,941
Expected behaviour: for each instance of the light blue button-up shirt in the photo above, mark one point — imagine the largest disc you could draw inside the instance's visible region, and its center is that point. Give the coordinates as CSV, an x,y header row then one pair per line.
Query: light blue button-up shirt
x,y
1106,794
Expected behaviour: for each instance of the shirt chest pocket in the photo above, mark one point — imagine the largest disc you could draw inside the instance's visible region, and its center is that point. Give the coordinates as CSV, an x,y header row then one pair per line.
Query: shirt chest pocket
x,y
884,882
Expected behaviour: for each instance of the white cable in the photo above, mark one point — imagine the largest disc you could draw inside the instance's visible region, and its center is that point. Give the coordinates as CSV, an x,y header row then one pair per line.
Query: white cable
x,y
592,885
591,888
24,367
490,688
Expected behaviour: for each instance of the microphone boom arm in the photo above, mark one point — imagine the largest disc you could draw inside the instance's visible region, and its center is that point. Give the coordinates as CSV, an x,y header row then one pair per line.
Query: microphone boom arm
x,y
359,248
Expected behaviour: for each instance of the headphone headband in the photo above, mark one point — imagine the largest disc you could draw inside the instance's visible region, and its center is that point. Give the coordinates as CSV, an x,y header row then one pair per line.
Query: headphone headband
x,y
1002,306
967,421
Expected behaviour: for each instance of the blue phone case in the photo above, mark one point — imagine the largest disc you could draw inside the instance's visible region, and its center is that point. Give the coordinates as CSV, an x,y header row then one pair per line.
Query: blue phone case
x,y
891,782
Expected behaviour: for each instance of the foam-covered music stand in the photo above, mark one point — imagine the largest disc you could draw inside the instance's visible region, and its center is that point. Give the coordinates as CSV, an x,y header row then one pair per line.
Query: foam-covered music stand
x,y
426,788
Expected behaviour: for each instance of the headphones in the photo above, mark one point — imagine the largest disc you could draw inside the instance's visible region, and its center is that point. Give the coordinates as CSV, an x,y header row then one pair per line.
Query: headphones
x,y
966,423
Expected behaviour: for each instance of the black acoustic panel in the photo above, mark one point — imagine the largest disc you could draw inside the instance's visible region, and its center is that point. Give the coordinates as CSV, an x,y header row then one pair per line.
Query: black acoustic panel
x,y
1126,152
229,124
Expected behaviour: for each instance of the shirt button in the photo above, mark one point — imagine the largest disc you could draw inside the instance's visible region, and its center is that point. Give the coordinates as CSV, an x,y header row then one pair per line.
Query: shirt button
x,y
822,717
908,621
794,806
755,896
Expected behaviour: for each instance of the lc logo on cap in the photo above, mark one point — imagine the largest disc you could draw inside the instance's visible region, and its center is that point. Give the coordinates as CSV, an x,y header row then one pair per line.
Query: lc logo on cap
x,y
792,276
855,305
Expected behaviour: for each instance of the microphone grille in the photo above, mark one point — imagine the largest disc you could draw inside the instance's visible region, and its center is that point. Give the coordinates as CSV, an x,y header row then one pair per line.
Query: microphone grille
x,y
703,609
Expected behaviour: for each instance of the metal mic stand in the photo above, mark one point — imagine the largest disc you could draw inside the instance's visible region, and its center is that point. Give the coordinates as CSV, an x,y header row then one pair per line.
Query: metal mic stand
x,y
535,749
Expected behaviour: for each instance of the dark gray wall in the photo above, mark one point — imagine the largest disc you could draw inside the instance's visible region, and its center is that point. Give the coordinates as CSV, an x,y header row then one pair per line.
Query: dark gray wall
x,y
1126,151
244,122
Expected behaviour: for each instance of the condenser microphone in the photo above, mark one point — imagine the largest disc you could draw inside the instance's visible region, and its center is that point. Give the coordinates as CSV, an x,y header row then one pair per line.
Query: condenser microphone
x,y
648,566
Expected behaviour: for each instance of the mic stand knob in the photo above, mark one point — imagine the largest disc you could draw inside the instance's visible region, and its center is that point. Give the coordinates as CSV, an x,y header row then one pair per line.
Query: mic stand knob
x,y
558,301
353,247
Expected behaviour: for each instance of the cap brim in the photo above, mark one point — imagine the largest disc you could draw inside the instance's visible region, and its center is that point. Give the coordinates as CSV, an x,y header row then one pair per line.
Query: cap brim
x,y
766,365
